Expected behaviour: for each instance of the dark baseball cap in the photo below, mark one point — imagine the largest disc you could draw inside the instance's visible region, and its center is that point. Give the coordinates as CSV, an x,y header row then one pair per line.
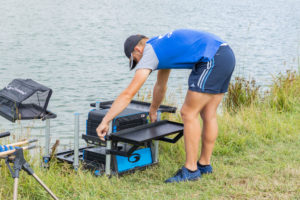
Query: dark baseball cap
x,y
129,45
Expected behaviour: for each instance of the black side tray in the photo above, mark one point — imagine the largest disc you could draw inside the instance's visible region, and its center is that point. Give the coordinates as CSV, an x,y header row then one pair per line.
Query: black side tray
x,y
141,135
155,131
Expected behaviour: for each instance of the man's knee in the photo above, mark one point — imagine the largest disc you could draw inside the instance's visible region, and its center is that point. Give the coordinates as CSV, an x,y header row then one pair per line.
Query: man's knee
x,y
209,112
188,114
183,112
208,115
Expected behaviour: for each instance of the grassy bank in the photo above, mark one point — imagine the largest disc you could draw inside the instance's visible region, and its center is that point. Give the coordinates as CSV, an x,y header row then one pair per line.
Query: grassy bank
x,y
256,156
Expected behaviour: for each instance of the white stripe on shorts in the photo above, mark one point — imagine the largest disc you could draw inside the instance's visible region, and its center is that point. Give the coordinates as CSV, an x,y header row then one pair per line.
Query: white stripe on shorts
x,y
200,78
204,73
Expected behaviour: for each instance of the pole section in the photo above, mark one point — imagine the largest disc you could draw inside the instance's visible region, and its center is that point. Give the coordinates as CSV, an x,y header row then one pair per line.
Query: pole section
x,y
16,181
46,157
156,143
76,142
108,155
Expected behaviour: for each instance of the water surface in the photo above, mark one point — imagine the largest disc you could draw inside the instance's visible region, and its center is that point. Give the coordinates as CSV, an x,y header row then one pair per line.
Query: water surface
x,y
76,47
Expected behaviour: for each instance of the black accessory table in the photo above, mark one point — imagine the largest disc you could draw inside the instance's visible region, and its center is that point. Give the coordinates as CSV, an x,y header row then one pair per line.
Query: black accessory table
x,y
140,136
145,133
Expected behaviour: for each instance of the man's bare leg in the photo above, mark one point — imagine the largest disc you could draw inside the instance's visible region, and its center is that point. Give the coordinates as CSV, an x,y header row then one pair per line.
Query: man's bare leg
x,y
194,103
210,128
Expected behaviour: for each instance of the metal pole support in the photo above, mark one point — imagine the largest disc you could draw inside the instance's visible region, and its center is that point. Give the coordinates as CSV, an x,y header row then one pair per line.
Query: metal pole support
x,y
46,157
107,154
156,143
76,142
16,182
97,105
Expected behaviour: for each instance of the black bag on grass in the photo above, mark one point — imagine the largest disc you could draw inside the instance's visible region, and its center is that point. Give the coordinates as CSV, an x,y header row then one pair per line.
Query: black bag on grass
x,y
24,99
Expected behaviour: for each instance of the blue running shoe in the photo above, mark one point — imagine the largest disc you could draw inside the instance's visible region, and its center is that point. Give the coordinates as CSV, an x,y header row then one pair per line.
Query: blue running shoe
x,y
205,170
184,175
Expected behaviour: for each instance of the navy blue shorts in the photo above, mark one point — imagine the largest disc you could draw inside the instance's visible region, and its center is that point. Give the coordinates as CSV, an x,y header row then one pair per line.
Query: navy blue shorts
x,y
214,76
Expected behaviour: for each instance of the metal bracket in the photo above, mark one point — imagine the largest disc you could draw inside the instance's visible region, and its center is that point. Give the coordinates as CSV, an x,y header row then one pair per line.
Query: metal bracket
x,y
172,140
94,140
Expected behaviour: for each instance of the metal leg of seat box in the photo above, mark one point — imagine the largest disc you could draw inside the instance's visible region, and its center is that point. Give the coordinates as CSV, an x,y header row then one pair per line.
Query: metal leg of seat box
x,y
108,154
46,157
156,143
76,141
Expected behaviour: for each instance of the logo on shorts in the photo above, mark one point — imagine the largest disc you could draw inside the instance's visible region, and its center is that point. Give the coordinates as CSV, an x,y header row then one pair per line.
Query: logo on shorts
x,y
193,85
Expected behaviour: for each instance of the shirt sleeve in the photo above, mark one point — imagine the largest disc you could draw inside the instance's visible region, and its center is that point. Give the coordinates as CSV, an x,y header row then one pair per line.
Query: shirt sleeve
x,y
149,59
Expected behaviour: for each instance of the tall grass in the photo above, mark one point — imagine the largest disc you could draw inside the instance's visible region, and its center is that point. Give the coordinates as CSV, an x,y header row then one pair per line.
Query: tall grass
x,y
241,93
283,95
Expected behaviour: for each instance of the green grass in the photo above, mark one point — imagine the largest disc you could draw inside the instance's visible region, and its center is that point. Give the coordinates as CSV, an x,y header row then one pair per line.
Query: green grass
x,y
241,93
257,156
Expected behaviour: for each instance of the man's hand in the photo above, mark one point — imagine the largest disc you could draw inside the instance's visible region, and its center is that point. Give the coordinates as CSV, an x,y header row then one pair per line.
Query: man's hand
x,y
153,114
102,130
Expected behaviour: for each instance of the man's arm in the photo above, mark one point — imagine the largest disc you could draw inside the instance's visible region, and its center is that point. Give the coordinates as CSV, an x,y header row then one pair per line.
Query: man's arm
x,y
159,92
123,100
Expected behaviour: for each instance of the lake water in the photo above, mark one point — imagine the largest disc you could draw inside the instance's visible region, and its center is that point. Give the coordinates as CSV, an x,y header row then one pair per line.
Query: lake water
x,y
76,47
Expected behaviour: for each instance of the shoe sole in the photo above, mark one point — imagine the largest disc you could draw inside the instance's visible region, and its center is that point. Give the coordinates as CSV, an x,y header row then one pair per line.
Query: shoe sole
x,y
195,179
206,173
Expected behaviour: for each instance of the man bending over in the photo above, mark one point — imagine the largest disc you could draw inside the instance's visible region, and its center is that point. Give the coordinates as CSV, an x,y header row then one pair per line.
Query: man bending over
x,y
211,62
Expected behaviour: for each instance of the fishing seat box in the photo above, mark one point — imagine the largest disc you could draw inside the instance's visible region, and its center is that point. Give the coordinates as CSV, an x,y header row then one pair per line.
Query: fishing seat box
x,y
94,158
127,119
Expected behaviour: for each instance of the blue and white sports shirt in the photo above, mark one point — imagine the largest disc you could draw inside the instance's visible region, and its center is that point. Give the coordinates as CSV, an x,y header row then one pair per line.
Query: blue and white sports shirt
x,y
179,49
